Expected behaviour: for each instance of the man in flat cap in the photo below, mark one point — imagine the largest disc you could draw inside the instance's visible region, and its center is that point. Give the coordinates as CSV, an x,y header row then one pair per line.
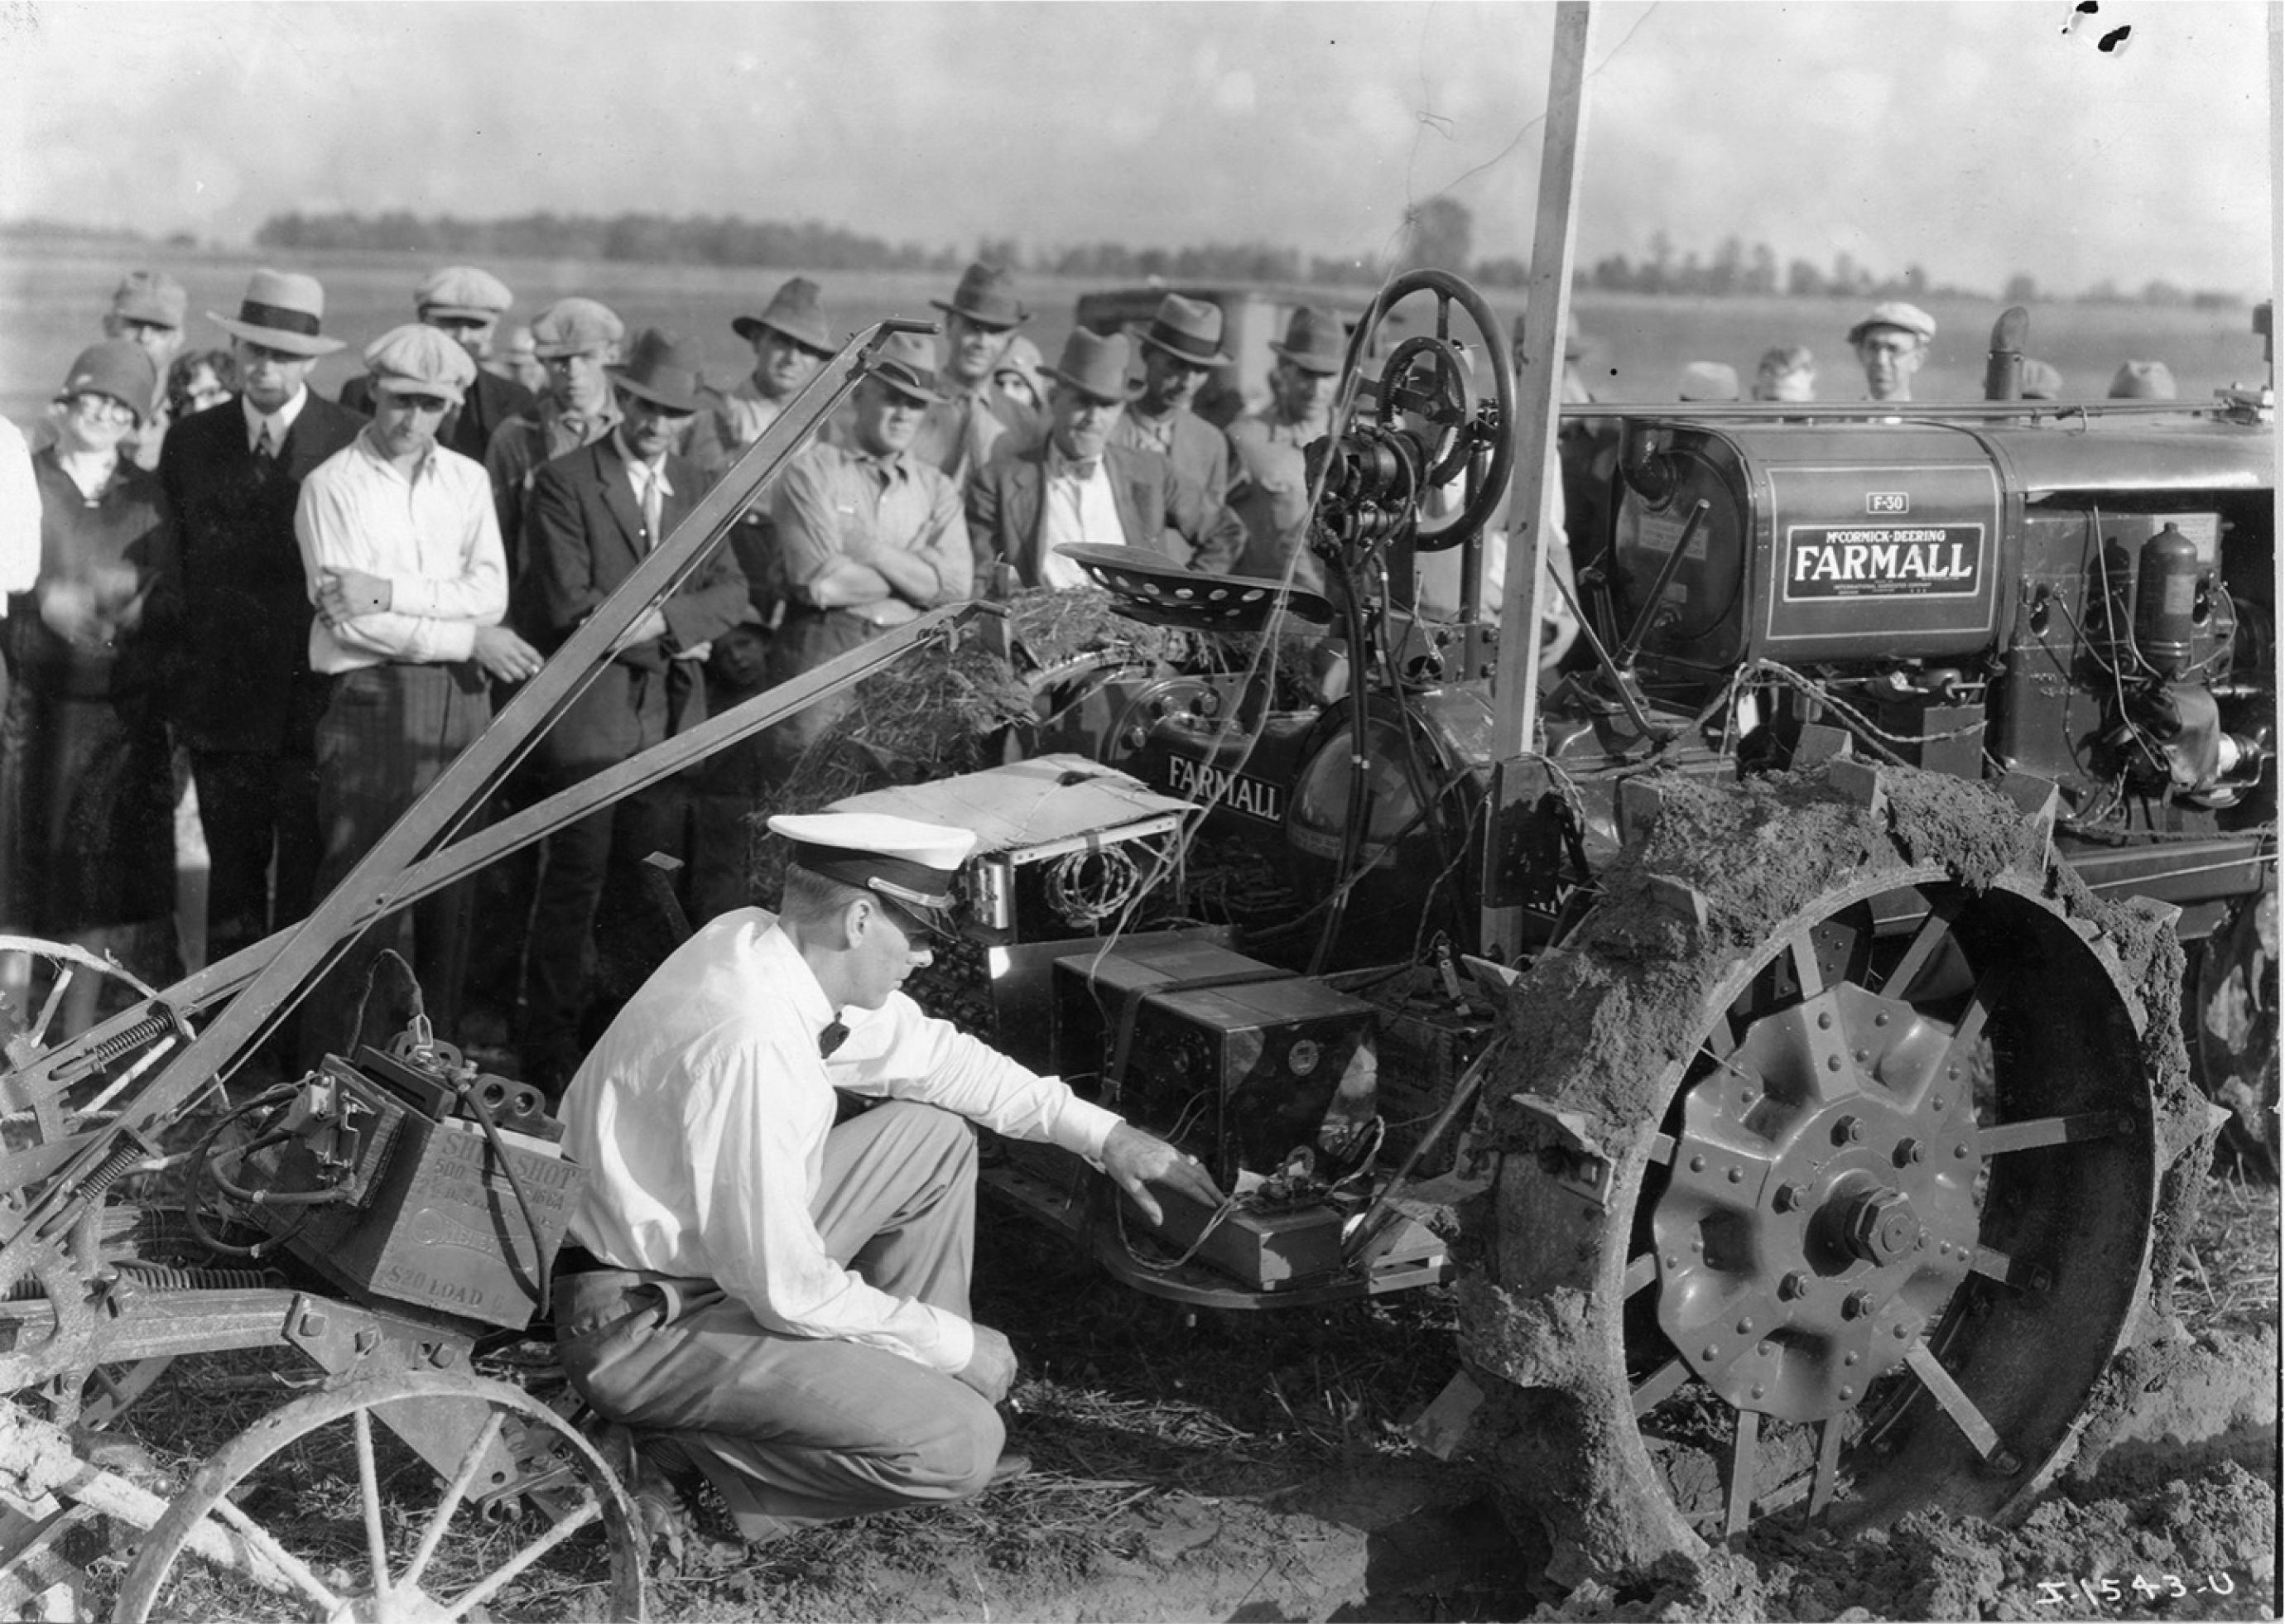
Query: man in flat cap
x,y
2142,381
1709,380
146,309
1890,344
595,513
1182,347
246,703
1270,484
773,1302
964,427
400,550
466,304
578,339
1075,487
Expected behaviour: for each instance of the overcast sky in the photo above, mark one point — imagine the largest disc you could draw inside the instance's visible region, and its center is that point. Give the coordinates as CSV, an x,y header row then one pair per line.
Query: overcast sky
x,y
1975,140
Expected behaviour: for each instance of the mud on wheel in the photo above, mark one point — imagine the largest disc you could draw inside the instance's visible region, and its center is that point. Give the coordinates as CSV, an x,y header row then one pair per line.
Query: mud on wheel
x,y
1839,1147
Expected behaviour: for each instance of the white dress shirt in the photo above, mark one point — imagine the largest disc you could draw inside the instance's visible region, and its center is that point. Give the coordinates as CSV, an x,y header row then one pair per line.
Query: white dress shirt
x,y
700,1118
20,515
434,537
1076,508
279,422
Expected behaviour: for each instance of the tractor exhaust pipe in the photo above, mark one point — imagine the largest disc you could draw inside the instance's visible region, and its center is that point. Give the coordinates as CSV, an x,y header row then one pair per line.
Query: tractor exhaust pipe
x,y
2003,368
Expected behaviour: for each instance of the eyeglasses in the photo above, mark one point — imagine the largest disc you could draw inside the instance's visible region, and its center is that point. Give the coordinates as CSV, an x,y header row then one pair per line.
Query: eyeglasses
x,y
102,407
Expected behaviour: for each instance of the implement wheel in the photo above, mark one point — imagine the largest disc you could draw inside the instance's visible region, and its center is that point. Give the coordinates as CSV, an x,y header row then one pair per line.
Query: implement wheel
x,y
313,1512
1834,1143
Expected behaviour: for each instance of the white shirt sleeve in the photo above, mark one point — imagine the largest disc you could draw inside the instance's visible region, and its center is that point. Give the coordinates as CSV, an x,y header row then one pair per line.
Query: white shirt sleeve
x,y
325,526
20,515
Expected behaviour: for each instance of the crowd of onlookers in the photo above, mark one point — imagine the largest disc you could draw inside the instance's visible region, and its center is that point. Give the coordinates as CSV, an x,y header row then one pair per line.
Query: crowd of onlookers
x,y
247,623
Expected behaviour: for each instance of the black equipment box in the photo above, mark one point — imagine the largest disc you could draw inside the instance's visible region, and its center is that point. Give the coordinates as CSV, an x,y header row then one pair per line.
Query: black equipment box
x,y
1202,1043
425,1213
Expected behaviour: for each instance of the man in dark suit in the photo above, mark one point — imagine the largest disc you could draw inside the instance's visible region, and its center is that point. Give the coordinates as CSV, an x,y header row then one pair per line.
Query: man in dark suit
x,y
467,304
1181,349
247,705
594,515
1075,487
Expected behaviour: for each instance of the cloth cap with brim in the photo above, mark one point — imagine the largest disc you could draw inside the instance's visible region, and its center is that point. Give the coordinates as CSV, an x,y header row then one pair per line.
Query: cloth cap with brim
x,y
568,327
119,369
1314,341
418,359
150,296
282,309
793,313
1895,313
906,363
1094,364
985,296
662,371
462,290
2143,381
1709,380
909,863
2040,382
1187,329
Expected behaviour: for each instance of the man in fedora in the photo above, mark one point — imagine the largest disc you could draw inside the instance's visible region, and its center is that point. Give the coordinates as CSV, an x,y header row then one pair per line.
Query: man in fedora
x,y
467,304
870,535
594,514
246,703
578,340
1075,486
1270,481
964,427
791,339
402,552
1890,344
1181,349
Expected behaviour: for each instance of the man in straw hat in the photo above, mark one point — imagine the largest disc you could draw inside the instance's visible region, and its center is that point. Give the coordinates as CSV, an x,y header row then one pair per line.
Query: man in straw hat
x,y
1890,344
595,513
964,429
1182,347
246,703
576,340
1270,485
402,552
467,304
1075,487
772,1301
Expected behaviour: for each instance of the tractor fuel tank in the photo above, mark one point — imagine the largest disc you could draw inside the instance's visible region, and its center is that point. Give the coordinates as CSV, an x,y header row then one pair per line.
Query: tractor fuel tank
x,y
1823,541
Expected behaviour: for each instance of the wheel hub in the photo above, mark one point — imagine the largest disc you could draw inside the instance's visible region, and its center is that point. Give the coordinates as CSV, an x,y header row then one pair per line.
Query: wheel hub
x,y
1820,1208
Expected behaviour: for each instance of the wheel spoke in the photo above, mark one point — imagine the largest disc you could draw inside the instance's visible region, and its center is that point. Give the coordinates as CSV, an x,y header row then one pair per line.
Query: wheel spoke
x,y
1738,1472
2007,1271
587,1512
1806,970
1661,1385
1920,953
39,1032
2041,1132
1955,1403
455,1491
283,1563
369,1491
1828,1464
1640,1272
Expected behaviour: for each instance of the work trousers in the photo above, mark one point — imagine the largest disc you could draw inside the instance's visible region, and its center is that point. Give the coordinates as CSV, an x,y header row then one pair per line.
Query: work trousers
x,y
798,1429
388,734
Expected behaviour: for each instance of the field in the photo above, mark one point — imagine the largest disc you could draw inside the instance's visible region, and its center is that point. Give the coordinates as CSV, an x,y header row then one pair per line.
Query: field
x,y
52,298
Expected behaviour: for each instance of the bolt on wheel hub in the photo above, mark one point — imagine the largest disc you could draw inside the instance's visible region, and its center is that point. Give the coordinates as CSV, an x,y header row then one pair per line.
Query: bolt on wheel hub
x,y
1820,1207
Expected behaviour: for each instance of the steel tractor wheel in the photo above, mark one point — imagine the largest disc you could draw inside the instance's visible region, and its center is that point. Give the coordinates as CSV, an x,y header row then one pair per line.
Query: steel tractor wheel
x,y
314,1512
1843,1147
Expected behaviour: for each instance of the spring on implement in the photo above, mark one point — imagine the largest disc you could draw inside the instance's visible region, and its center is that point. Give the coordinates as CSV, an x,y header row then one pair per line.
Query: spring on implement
x,y
167,1277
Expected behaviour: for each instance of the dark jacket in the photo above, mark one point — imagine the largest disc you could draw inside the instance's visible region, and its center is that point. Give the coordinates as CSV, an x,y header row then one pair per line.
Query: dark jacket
x,y
468,427
245,670
1006,500
583,535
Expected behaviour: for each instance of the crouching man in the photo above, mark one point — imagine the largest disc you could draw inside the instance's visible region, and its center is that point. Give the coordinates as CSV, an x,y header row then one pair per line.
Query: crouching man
x,y
768,1298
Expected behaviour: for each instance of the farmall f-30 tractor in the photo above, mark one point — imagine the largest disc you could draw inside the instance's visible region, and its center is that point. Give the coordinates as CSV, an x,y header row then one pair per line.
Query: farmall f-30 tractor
x,y
1785,1046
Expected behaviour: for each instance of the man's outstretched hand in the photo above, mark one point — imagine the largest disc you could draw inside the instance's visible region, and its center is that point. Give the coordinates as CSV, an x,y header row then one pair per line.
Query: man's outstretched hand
x,y
1136,1160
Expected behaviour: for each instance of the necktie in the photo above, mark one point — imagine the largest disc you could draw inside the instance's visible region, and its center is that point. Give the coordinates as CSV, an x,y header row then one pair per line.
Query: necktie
x,y
652,505
1082,471
831,1039
267,448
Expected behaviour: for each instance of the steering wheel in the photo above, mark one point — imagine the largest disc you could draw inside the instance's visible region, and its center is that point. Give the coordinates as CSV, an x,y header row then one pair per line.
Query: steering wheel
x,y
1431,388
